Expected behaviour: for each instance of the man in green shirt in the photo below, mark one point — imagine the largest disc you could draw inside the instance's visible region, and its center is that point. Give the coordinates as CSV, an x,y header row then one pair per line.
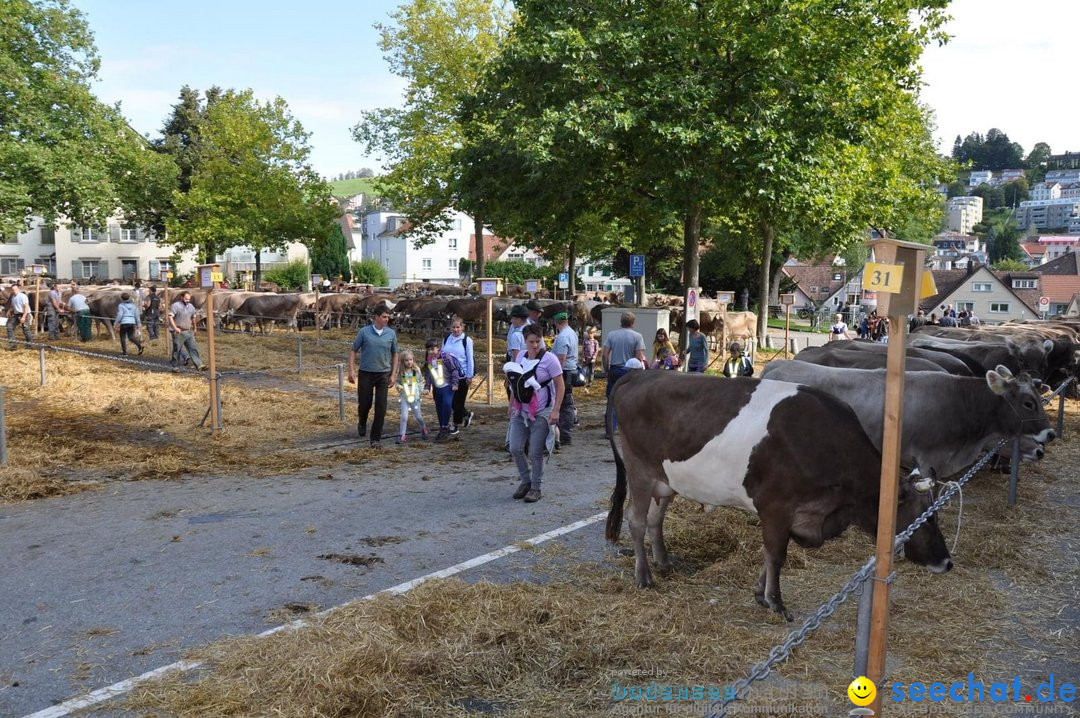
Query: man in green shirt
x,y
378,349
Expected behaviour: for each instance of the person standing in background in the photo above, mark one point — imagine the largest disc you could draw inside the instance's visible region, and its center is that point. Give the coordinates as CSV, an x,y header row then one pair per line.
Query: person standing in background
x,y
565,347
697,348
460,345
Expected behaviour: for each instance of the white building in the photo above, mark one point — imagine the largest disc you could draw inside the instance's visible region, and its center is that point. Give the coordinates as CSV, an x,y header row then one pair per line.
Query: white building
x,y
1070,190
964,213
979,177
1058,245
594,277
1046,190
1063,176
1047,213
384,239
242,259
117,251
1010,176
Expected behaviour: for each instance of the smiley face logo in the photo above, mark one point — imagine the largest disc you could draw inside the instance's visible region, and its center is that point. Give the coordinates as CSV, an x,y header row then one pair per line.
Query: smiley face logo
x,y
861,691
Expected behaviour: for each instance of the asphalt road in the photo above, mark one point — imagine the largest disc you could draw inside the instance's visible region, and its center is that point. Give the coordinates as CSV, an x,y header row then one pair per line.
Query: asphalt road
x,y
99,587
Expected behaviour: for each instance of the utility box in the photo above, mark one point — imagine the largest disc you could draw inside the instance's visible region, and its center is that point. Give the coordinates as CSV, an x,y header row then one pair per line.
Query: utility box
x,y
649,319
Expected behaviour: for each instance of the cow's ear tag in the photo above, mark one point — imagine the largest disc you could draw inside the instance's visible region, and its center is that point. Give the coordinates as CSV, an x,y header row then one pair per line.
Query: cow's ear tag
x,y
924,485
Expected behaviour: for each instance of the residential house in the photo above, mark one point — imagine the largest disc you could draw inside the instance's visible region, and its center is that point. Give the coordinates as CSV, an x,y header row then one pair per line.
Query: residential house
x,y
1060,281
957,250
978,177
1046,190
993,298
1034,253
1069,190
822,284
1063,176
1058,245
1011,176
384,238
118,250
598,277
1074,307
1047,213
964,213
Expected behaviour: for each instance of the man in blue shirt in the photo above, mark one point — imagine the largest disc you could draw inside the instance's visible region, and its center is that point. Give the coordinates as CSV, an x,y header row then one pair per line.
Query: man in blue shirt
x,y
378,349
566,348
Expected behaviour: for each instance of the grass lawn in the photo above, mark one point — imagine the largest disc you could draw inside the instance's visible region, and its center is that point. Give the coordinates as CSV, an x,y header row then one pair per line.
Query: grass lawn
x,y
347,188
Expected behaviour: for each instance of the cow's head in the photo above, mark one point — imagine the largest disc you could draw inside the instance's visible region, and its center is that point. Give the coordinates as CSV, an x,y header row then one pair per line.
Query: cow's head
x,y
1022,394
927,545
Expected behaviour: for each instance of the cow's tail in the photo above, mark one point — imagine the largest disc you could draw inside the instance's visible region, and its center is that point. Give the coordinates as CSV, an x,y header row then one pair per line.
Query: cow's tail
x,y
618,496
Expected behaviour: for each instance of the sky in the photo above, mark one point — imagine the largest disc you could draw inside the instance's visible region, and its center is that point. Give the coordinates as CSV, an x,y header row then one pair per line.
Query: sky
x,y
1009,65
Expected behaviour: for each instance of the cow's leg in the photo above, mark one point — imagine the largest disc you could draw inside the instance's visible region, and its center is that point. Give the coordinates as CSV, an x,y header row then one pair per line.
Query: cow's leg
x,y
655,520
637,518
775,532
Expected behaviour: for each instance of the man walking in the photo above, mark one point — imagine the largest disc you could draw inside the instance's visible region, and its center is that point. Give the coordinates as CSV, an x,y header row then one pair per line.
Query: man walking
x,y
153,313
182,325
378,349
18,313
619,347
53,306
566,349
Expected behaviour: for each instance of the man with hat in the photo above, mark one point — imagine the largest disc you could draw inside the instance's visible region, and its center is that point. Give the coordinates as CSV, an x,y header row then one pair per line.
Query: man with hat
x,y
566,348
535,311
738,364
515,342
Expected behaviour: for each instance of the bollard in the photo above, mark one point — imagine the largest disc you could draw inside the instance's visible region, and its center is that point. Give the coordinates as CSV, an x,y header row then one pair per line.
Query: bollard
x,y
41,364
3,431
217,400
794,346
862,628
299,354
1061,415
341,392
1014,470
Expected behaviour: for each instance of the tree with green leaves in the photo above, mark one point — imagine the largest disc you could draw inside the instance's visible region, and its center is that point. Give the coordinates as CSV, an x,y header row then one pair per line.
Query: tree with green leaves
x,y
330,254
369,271
63,153
440,47
1003,239
252,184
993,152
689,112
1009,265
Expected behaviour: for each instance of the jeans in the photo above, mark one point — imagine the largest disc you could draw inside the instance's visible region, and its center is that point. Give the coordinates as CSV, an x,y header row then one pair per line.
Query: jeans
x,y
127,333
568,409
372,384
459,401
444,404
695,368
588,367
152,326
52,322
14,322
614,373
535,433
185,339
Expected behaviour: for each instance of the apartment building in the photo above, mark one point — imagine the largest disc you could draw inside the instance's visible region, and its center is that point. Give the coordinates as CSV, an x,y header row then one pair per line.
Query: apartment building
x,y
1047,213
384,238
964,213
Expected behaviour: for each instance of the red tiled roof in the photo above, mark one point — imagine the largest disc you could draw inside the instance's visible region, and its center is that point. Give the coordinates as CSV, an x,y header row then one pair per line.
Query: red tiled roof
x,y
815,275
1033,249
1060,288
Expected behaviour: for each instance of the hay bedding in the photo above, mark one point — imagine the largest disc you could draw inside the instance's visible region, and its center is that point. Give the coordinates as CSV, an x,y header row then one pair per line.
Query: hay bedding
x,y
450,648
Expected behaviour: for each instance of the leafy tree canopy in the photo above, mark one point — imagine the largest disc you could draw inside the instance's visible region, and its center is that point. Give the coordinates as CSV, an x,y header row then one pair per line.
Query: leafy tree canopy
x,y
63,154
330,254
369,271
993,152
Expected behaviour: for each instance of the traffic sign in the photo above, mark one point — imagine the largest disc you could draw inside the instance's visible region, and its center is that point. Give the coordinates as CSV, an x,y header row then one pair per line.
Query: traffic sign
x,y
637,265
564,280
1044,301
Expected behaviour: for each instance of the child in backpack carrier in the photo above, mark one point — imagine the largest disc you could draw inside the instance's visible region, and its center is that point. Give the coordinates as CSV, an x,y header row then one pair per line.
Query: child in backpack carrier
x,y
410,391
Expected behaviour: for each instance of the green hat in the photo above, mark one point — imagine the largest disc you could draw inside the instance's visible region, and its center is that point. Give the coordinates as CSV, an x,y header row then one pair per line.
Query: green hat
x,y
560,316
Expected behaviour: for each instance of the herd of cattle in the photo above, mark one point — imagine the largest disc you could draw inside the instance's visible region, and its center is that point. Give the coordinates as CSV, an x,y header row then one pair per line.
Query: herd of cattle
x,y
801,446
427,308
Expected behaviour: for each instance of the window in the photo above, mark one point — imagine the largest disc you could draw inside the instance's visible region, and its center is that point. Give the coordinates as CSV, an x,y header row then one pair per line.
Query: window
x,y
999,307
969,306
88,268
453,265
980,287
11,265
453,243
48,235
386,263
49,263
129,268
1023,284
515,256
813,290
129,234
425,264
825,291
837,277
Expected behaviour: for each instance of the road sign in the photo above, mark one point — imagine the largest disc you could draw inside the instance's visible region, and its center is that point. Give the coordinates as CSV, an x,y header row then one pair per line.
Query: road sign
x,y
564,280
532,286
787,299
637,265
489,287
1044,301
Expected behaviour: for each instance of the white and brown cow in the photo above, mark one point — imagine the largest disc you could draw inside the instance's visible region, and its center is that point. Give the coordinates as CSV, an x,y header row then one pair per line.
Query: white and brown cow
x,y
794,455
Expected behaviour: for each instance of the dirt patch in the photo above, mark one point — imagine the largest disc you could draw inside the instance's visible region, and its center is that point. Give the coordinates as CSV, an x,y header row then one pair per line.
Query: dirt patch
x,y
367,560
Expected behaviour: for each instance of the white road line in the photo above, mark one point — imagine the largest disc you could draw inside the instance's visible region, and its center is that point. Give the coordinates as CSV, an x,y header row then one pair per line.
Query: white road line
x,y
117,689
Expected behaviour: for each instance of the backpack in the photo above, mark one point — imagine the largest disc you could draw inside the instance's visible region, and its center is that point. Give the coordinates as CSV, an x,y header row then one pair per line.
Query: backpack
x,y
518,382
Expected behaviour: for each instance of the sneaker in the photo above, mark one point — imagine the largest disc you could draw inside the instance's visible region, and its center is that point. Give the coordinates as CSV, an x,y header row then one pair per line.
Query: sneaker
x,y
453,431
376,444
522,489
443,433
424,433
401,439
468,420
361,429
532,496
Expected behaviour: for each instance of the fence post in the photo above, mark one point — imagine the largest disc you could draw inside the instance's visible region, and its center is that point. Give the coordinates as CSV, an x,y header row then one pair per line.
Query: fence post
x,y
299,354
217,400
341,391
1014,470
3,431
41,364
862,628
1061,415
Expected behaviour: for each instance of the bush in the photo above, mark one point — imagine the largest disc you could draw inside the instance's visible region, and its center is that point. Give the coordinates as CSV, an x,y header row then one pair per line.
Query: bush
x,y
293,275
369,271
515,271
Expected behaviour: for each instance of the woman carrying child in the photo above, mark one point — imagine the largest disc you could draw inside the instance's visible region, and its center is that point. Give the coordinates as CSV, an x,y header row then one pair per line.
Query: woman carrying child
x,y
410,390
442,372
664,356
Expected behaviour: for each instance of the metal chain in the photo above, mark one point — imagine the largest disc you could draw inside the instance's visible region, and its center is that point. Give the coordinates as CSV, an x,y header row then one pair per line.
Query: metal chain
x,y
111,357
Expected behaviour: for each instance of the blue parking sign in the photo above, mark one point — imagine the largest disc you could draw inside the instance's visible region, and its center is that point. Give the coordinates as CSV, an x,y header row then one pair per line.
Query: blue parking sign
x,y
564,280
637,265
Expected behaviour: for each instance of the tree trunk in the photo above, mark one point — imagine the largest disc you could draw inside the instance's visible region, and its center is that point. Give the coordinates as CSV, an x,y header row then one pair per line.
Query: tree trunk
x,y
478,229
258,268
767,233
691,261
570,267
774,287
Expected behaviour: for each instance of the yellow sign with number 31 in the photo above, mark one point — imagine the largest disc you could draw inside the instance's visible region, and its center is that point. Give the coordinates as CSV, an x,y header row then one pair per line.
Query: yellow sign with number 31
x,y
879,277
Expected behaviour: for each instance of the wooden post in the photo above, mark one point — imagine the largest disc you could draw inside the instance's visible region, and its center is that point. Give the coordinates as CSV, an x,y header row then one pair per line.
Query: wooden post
x,y
900,299
215,419
165,319
787,331
318,324
37,304
491,356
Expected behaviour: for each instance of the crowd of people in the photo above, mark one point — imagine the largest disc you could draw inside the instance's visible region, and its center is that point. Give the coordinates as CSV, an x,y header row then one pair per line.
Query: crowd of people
x,y
540,374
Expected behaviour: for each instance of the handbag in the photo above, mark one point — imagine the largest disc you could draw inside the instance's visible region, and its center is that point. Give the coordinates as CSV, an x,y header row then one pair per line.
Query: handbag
x,y
579,378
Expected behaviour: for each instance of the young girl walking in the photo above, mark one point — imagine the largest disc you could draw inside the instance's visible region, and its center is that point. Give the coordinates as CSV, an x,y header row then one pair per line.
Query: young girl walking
x,y
410,390
442,372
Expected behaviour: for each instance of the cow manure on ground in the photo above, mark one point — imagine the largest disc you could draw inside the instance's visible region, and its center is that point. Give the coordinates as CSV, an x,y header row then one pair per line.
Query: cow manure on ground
x,y
381,540
351,559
